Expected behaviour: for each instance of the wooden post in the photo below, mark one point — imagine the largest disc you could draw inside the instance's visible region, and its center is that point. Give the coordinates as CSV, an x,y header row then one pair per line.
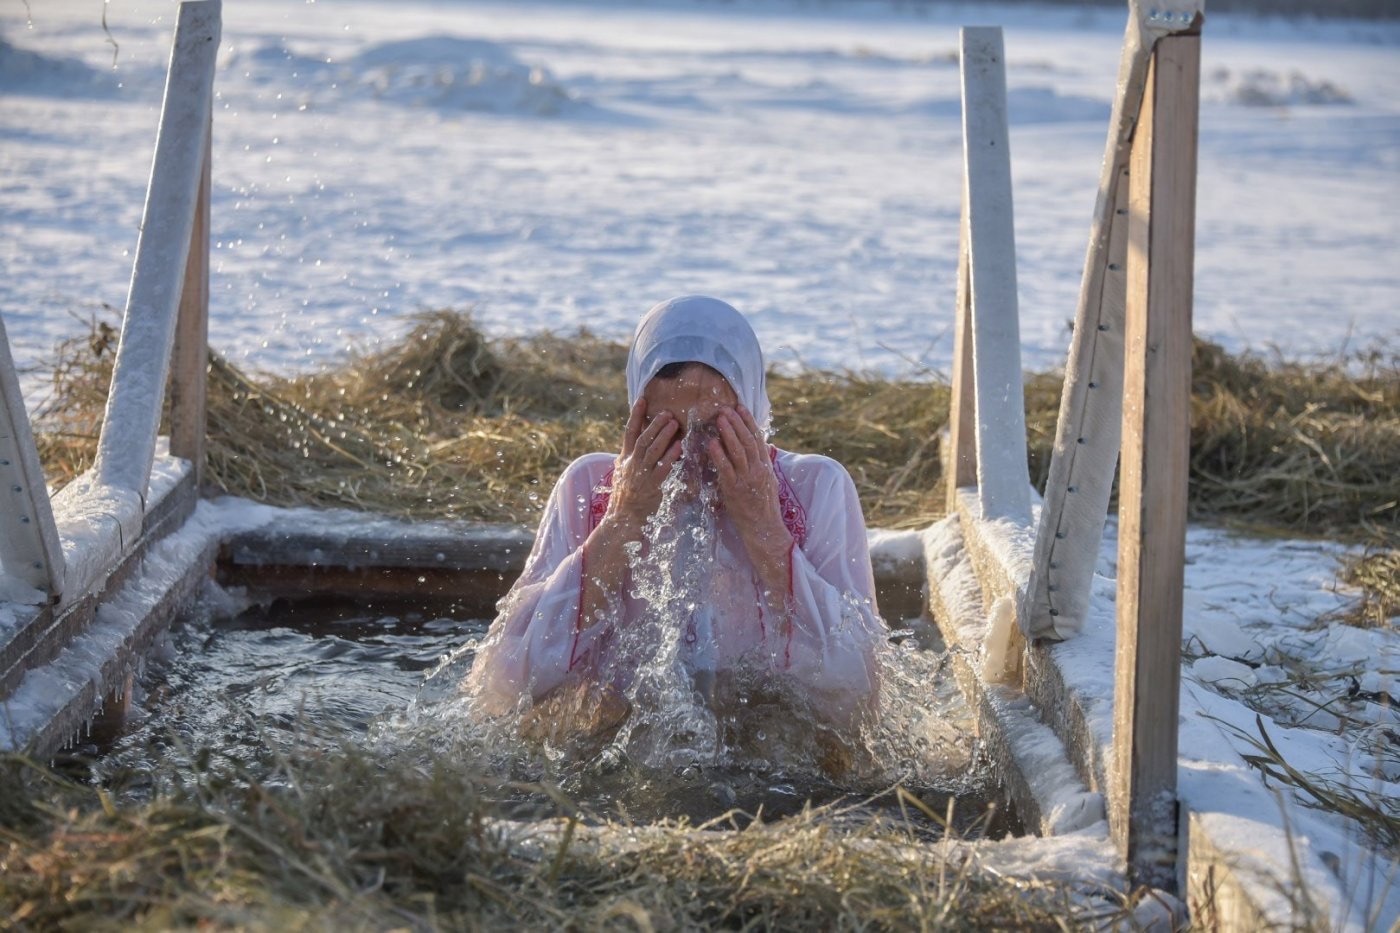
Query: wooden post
x,y
29,546
1084,457
1003,477
190,358
962,407
1155,460
126,447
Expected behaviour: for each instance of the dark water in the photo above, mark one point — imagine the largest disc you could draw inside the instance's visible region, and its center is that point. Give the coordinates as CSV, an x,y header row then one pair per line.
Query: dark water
x,y
273,677
244,687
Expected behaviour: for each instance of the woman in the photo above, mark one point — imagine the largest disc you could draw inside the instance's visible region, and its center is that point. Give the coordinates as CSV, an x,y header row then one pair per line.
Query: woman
x,y
699,556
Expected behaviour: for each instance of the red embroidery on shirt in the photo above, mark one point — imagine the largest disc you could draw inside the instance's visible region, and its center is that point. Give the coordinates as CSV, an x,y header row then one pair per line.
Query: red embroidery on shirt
x,y
794,513
758,600
787,647
578,618
602,493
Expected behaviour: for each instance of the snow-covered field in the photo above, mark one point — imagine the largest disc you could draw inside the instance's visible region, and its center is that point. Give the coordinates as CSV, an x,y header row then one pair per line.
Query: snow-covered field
x,y
566,164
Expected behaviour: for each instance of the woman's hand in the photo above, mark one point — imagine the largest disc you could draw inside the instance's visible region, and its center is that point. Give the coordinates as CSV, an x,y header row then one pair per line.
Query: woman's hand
x,y
648,453
749,490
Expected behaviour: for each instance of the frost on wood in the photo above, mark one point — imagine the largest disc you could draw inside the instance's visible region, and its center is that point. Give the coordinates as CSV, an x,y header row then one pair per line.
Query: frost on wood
x,y
1066,805
1060,799
68,688
1002,478
96,523
28,540
127,444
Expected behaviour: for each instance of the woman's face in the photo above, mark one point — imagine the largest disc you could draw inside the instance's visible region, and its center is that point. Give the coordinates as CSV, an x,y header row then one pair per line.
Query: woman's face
x,y
698,393
694,398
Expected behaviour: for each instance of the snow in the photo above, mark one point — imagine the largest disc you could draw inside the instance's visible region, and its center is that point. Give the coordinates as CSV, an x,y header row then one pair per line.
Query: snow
x,y
88,661
565,164
1250,621
96,523
561,164
947,568
1040,756
1263,649
13,590
894,548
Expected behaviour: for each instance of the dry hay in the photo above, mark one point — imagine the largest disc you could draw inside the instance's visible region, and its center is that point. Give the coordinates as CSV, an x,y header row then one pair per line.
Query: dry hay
x,y
447,423
349,838
1304,447
1376,574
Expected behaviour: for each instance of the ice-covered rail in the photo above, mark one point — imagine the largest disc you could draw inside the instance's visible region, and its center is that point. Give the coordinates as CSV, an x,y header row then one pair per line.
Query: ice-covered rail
x,y
1015,590
1133,344
66,556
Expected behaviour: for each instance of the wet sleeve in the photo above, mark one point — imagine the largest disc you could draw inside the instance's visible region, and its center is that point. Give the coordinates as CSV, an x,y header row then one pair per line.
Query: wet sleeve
x,y
835,626
536,638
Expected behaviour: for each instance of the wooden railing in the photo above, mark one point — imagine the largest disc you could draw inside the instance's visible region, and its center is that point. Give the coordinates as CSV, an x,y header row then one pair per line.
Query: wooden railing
x,y
1127,389
29,545
169,282
988,425
77,547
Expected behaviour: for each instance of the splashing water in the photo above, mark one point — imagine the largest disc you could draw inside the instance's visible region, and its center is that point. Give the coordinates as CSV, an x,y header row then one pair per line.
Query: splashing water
x,y
689,737
681,728
671,650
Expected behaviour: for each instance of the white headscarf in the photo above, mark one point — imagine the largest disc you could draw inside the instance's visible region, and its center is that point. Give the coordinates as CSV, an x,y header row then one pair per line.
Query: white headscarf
x,y
698,329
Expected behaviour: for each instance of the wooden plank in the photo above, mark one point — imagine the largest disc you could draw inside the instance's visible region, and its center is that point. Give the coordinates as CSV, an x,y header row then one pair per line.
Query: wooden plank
x,y
1218,891
1001,554
39,639
1084,457
1021,749
466,592
29,547
960,460
190,362
1003,478
126,447
81,680
1155,460
304,540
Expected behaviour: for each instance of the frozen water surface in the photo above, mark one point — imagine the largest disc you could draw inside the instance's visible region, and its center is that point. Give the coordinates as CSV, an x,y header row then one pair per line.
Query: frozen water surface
x,y
557,165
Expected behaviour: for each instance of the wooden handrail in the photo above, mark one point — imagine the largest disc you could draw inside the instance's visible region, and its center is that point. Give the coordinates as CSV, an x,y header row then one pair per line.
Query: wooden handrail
x,y
1156,458
29,546
1088,433
126,448
987,289
190,355
1136,286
